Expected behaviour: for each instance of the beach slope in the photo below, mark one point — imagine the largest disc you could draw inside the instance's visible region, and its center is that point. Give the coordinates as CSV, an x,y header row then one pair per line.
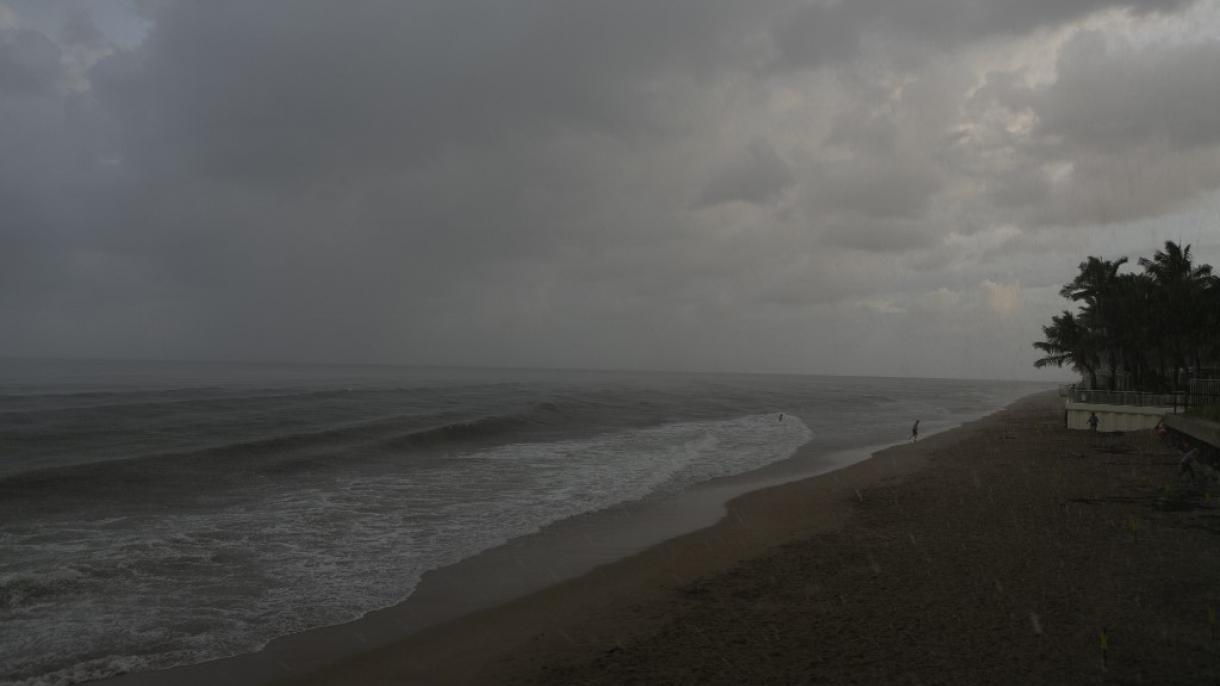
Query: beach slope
x,y
1001,551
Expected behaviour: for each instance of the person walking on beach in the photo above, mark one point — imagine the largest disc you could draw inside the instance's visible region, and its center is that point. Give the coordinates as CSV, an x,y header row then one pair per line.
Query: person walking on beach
x,y
915,431
1093,421
1187,466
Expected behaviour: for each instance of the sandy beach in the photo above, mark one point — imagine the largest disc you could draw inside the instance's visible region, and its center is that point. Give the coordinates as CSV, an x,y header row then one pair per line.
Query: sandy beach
x,y
999,552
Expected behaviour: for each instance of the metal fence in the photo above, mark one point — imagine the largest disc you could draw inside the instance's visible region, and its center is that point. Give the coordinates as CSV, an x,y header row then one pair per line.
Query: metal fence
x,y
1205,394
1198,400
1204,388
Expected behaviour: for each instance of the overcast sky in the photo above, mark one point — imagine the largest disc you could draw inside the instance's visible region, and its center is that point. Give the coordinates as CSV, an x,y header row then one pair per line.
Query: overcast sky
x,y
887,187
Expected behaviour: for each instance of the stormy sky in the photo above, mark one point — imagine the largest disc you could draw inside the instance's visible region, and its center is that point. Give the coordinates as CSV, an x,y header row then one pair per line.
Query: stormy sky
x,y
883,187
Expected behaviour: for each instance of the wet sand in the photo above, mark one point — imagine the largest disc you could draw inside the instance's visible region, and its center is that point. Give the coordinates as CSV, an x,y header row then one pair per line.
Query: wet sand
x,y
997,552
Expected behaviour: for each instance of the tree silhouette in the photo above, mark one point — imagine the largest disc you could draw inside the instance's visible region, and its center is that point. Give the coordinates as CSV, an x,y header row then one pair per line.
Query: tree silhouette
x,y
1156,328
1068,344
1181,288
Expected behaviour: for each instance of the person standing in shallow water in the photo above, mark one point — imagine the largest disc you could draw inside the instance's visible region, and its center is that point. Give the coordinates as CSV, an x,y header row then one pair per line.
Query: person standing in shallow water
x,y
915,431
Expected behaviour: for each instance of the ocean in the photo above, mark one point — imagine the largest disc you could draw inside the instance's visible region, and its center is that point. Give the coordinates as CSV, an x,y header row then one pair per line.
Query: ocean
x,y
160,514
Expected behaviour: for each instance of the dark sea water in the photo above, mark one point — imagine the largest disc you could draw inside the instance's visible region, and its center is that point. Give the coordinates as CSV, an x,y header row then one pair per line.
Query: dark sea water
x,y
157,514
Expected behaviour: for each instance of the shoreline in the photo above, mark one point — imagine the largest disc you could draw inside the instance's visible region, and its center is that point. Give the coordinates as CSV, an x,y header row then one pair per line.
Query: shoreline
x,y
1019,552
443,599
494,644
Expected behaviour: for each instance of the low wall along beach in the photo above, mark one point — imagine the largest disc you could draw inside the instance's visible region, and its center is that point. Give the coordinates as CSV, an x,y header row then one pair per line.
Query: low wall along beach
x,y
1113,417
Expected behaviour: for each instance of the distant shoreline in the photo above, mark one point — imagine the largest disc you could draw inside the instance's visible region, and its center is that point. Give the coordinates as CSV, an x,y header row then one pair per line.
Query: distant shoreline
x,y
427,366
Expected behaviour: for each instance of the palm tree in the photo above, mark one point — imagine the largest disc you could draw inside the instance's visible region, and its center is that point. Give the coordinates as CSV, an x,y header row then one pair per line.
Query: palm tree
x,y
1094,282
1174,264
1132,327
1068,343
1154,326
1209,322
1100,286
1183,301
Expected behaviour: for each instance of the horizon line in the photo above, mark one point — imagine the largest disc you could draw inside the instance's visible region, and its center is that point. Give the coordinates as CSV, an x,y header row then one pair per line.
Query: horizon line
x,y
522,368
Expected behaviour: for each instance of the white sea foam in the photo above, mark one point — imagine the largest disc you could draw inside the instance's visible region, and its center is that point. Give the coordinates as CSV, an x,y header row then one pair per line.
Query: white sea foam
x,y
144,591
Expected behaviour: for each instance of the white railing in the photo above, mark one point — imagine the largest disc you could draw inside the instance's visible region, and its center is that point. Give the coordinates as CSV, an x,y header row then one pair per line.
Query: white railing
x,y
1135,398
1204,386
1201,393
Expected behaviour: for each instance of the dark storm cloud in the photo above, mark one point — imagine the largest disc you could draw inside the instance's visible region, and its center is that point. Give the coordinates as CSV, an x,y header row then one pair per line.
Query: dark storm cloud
x,y
828,31
540,182
757,176
877,188
817,33
877,234
44,158
29,63
277,91
1125,132
1116,97
80,29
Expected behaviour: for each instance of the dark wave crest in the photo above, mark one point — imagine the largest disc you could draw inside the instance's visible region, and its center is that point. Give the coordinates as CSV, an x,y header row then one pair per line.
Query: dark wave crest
x,y
395,437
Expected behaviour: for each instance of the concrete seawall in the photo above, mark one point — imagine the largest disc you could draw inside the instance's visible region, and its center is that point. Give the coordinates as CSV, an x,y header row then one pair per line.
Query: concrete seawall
x,y
1114,417
1199,429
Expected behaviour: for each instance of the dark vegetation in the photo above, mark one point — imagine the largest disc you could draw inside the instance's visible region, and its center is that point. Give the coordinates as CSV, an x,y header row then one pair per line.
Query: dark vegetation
x,y
1150,330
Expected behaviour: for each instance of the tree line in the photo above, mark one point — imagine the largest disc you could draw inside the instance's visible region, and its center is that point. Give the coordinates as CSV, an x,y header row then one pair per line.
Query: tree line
x,y
1156,328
